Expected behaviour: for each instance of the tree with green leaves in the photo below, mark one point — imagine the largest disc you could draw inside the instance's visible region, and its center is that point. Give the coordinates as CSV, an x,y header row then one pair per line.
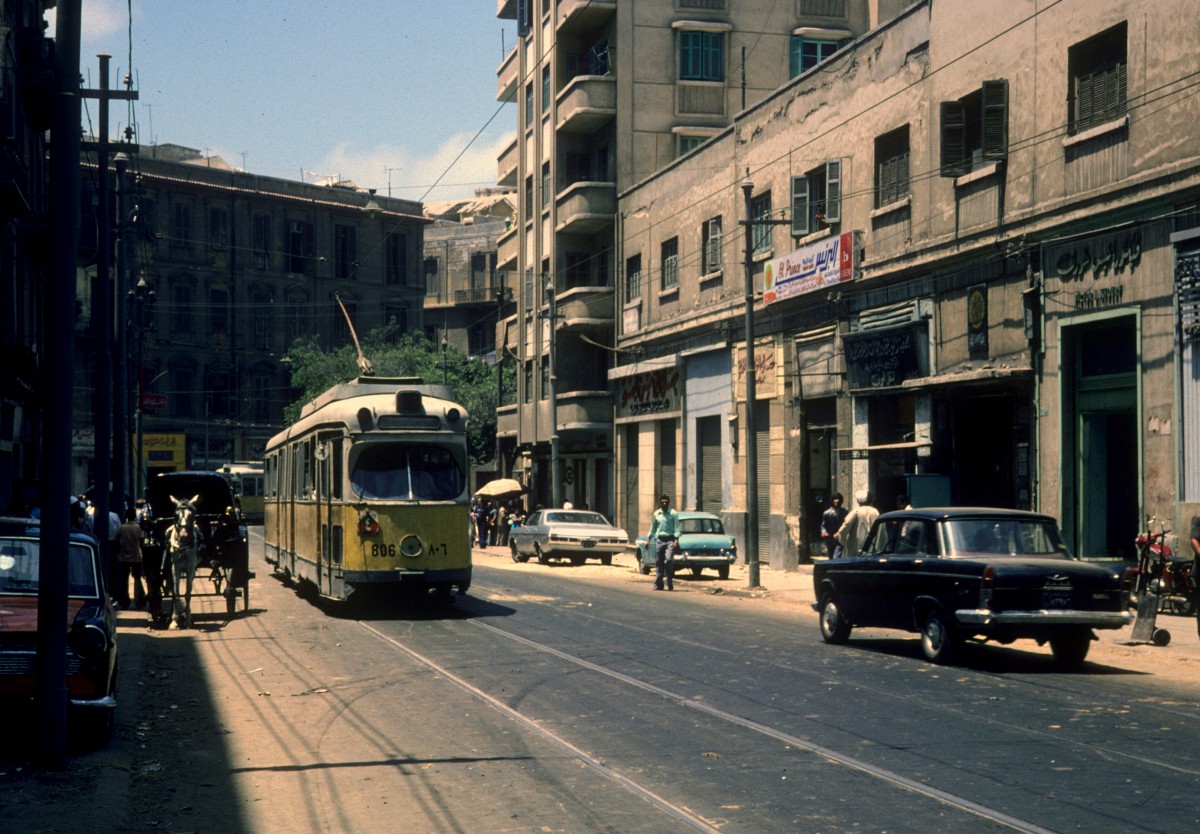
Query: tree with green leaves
x,y
315,369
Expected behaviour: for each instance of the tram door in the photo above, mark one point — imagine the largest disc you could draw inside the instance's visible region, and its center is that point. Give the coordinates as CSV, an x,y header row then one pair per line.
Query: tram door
x,y
322,461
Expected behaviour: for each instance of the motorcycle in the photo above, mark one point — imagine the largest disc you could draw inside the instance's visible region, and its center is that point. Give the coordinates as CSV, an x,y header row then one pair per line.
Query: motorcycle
x,y
1162,584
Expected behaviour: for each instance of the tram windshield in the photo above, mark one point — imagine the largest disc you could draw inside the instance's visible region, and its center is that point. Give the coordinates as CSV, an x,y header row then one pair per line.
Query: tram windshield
x,y
406,472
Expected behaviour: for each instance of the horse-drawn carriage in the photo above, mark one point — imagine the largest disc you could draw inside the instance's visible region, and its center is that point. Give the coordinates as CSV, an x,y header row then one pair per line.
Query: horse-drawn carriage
x,y
195,531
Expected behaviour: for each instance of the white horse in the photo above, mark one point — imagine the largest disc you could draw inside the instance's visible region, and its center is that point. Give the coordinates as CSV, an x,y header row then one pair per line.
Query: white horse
x,y
183,548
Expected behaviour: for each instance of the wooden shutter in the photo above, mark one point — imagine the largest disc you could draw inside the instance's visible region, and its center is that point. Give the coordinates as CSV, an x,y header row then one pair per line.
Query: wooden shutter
x,y
954,139
799,206
995,120
833,191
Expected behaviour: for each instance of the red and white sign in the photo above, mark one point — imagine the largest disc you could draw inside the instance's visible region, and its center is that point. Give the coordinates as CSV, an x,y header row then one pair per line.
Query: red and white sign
x,y
815,267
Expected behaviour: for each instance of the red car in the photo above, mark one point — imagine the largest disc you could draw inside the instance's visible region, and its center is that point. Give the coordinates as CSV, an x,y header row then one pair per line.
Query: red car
x,y
90,621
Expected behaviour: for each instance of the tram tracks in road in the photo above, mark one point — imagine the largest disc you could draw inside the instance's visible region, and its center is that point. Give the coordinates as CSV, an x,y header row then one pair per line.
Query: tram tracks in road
x,y
700,824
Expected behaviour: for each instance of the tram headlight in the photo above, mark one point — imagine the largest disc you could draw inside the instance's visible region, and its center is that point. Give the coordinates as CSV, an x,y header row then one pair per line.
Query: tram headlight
x,y
411,546
453,415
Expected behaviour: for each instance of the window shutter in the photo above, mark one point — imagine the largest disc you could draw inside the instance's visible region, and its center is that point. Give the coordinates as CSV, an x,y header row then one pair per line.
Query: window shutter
x,y
995,120
523,25
833,191
954,139
799,206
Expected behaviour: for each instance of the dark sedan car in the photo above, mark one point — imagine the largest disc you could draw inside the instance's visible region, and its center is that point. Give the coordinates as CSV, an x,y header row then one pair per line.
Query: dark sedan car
x,y
89,619
960,574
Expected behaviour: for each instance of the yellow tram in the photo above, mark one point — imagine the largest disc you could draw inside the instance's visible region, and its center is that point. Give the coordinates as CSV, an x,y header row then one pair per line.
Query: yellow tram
x,y
247,480
369,488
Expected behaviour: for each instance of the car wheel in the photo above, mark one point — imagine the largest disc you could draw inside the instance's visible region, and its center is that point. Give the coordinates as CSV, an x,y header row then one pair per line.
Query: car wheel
x,y
643,568
834,627
515,555
1071,648
696,572
939,640
542,558
606,559
723,572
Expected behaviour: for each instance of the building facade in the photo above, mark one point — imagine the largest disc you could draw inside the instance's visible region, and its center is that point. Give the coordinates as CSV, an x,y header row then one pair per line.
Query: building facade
x,y
26,91
972,247
607,93
225,271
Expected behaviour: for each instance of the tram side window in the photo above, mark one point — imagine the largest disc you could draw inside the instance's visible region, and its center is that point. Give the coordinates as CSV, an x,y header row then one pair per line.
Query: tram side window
x,y
336,455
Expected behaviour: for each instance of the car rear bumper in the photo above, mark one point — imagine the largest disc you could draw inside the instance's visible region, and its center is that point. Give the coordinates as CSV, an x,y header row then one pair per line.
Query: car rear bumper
x,y
1095,619
108,702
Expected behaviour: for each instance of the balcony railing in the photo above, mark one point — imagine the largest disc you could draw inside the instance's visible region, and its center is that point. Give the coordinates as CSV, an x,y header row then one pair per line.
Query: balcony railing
x,y
483,295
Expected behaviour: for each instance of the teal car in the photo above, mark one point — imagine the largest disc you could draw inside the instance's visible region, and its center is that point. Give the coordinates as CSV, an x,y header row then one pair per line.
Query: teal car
x,y
703,543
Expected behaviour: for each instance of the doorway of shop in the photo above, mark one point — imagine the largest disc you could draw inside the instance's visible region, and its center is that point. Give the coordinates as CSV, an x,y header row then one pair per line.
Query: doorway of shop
x,y
1101,449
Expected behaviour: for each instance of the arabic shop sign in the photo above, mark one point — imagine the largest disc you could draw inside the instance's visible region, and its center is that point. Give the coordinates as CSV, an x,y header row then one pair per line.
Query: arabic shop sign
x,y
887,358
654,392
1098,257
815,267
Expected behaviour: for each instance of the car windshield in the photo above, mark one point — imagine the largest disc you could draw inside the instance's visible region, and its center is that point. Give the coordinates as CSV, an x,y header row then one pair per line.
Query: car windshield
x,y
406,472
700,525
575,517
19,568
1004,537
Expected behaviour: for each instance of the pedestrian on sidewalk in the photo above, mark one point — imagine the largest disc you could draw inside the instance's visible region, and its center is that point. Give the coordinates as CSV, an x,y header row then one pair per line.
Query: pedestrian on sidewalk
x,y
831,522
664,534
853,532
129,562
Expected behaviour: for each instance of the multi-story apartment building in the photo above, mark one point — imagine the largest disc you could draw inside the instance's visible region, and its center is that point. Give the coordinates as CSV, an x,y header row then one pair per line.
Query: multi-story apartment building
x,y
609,92
227,270
25,97
974,251
465,294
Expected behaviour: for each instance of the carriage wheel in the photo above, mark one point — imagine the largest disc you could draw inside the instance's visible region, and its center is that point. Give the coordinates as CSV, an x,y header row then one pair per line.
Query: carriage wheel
x,y
231,596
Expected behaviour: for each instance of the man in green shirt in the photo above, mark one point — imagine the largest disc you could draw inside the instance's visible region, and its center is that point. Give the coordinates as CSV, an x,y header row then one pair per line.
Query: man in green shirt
x,y
664,536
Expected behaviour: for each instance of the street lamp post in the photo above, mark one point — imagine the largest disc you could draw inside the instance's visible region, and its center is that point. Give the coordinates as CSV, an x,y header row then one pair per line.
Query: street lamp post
x,y
143,301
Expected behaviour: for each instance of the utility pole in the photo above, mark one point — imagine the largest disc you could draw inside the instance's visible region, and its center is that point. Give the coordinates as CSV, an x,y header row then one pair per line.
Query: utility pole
x,y
102,324
58,377
751,394
555,467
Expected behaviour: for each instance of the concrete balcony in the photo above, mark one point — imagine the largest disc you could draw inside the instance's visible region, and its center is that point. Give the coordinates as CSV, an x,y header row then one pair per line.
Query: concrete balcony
x,y
587,104
586,309
508,247
586,207
508,420
584,15
506,77
585,411
506,165
506,9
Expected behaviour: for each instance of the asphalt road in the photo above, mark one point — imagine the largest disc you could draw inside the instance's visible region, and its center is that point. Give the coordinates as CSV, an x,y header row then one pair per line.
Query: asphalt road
x,y
562,699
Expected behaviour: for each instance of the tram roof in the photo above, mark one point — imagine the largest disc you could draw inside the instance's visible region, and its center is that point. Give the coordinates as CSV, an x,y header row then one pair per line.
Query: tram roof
x,y
365,386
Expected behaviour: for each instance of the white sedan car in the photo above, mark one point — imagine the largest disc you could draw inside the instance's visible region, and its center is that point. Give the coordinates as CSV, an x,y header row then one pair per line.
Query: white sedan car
x,y
575,535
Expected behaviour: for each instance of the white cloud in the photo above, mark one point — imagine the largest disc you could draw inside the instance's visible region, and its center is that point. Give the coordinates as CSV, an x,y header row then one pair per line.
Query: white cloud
x,y
413,172
100,19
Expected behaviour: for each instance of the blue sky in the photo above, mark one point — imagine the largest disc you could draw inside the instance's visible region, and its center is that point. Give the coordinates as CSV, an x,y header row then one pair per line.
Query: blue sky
x,y
291,88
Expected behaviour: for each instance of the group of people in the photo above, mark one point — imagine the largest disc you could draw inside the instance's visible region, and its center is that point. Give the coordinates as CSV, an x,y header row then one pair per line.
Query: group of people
x,y
491,521
844,531
123,546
